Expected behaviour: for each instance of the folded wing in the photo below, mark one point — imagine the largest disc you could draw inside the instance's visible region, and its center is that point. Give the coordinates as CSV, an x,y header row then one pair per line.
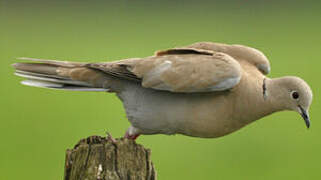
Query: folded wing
x,y
238,52
184,70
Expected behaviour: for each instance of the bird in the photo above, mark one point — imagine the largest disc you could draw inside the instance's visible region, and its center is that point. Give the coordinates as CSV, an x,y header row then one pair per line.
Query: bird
x,y
204,89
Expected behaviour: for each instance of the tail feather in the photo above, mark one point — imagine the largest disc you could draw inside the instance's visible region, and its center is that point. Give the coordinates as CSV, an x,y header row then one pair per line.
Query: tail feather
x,y
38,74
46,69
43,84
54,62
52,79
50,85
59,75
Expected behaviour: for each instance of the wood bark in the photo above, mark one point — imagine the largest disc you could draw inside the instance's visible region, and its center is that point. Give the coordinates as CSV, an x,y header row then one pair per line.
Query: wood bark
x,y
99,158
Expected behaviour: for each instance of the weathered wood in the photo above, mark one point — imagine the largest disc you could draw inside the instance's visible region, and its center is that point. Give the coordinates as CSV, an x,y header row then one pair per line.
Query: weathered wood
x,y
98,158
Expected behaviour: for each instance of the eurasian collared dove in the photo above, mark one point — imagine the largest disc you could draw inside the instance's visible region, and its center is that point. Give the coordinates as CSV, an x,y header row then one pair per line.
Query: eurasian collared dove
x,y
205,89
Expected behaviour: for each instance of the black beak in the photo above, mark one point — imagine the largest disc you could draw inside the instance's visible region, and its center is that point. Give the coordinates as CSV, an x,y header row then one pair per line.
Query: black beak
x,y
305,116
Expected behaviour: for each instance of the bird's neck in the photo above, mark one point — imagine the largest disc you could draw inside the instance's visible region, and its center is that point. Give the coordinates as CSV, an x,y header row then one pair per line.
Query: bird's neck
x,y
256,104
272,96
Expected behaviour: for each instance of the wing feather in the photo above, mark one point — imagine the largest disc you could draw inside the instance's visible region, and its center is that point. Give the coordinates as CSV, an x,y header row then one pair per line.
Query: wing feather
x,y
239,52
179,70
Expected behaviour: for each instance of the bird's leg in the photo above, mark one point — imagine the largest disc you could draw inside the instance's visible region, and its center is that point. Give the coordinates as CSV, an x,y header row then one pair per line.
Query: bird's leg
x,y
132,133
133,137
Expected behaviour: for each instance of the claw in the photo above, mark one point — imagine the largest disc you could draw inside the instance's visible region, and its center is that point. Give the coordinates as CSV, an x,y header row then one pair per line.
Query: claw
x,y
132,137
132,133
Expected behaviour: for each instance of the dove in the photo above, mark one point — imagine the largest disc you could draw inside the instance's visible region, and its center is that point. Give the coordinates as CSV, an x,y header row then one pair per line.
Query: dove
x,y
205,89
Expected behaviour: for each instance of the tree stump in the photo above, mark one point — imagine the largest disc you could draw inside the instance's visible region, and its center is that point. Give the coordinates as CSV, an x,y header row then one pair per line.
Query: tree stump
x,y
98,158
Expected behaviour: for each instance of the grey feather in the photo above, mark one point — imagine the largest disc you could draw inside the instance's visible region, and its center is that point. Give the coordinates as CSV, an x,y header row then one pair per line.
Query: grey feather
x,y
50,79
51,85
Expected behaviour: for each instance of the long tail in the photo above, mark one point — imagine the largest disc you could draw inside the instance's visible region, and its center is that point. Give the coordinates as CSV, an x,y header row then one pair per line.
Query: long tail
x,y
60,75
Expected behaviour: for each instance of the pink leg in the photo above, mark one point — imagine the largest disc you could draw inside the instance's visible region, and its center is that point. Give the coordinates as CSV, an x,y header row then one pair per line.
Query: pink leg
x,y
132,133
133,137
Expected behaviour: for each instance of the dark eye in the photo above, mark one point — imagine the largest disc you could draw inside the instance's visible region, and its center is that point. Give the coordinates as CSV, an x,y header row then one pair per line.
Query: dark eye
x,y
295,95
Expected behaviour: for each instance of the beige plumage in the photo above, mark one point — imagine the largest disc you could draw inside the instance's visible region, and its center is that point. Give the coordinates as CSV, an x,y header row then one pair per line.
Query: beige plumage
x,y
204,89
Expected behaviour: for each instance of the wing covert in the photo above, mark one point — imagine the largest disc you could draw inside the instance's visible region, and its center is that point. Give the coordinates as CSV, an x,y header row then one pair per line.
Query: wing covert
x,y
184,70
239,52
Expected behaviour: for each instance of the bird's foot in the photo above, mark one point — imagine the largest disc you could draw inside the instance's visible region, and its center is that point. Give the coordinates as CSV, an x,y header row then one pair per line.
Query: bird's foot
x,y
132,133
133,137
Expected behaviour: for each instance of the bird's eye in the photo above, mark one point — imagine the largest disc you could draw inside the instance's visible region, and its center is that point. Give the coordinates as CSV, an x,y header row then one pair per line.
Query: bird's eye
x,y
295,95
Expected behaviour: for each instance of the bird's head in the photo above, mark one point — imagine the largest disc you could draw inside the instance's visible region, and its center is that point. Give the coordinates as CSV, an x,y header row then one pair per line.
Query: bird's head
x,y
294,93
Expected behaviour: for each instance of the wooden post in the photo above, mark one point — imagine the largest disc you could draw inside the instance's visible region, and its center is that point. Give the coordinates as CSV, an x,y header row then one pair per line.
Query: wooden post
x,y
98,158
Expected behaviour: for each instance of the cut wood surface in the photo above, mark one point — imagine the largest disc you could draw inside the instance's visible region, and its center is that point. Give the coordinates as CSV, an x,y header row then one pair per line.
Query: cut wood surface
x,y
99,158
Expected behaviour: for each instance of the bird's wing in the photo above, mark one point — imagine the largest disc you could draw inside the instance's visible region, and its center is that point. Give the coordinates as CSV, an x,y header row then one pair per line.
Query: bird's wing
x,y
179,70
238,52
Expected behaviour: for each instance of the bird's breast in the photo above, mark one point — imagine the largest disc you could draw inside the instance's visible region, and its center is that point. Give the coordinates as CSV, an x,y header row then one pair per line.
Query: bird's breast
x,y
192,114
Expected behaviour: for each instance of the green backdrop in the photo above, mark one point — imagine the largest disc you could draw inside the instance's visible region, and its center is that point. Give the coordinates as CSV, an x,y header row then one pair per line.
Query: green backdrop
x,y
37,125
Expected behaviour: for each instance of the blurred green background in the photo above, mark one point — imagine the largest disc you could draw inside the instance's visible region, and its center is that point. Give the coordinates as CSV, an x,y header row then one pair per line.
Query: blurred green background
x,y
38,125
